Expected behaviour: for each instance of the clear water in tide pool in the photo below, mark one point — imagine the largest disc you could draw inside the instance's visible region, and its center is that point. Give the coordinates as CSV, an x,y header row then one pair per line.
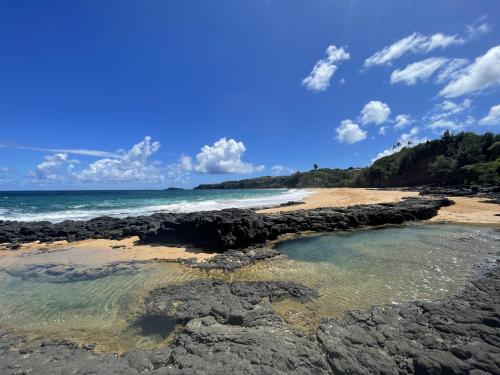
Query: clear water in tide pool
x,y
87,297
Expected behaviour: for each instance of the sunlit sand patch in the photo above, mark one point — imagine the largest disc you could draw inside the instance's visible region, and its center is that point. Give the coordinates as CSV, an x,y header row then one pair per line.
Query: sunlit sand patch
x,y
344,197
128,249
465,210
469,210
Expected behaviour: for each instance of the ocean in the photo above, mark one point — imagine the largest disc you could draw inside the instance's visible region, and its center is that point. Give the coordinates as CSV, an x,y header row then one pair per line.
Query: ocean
x,y
56,206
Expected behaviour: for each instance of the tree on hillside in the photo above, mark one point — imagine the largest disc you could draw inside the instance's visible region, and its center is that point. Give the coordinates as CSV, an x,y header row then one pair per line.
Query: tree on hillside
x,y
315,166
442,167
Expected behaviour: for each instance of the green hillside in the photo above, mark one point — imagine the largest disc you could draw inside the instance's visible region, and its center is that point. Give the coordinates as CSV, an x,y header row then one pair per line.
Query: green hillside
x,y
462,159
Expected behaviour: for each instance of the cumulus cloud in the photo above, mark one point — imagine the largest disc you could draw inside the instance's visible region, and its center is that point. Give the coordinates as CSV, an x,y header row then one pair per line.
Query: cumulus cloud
x,y
132,166
409,139
420,70
350,132
493,117
280,170
224,156
375,112
324,69
414,43
480,75
179,171
382,130
402,121
50,168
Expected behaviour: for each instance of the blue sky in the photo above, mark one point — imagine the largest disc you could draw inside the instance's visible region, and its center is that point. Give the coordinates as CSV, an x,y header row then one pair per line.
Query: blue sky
x,y
147,94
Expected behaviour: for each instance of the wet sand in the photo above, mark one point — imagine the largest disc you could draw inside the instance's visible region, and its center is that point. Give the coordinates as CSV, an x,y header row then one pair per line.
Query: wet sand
x,y
465,210
127,249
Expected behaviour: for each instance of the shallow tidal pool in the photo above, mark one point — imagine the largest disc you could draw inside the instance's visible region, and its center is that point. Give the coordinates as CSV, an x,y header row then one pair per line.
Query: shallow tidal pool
x,y
76,294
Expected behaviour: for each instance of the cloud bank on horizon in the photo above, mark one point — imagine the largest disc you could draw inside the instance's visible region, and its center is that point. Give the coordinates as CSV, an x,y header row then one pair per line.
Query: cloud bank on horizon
x,y
435,61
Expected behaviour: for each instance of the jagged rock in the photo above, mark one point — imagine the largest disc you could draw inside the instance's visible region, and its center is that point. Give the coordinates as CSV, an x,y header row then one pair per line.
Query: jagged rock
x,y
455,336
235,331
222,230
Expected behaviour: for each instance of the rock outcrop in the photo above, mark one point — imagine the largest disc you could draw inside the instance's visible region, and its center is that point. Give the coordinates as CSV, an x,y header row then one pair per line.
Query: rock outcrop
x,y
221,230
232,329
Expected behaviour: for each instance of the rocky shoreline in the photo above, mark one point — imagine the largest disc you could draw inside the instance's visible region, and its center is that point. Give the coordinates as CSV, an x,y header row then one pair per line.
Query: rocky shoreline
x,y
233,329
490,193
222,230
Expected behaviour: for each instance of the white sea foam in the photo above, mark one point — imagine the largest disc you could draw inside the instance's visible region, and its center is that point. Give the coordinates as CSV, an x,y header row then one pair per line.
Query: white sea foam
x,y
280,197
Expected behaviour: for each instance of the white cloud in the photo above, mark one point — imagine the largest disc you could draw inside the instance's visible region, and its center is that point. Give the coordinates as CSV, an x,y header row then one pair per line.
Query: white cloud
x,y
350,132
493,117
480,75
375,112
50,168
382,130
478,28
224,156
415,43
451,70
323,71
405,140
402,121
78,151
449,108
280,170
179,171
420,70
445,124
131,166
449,115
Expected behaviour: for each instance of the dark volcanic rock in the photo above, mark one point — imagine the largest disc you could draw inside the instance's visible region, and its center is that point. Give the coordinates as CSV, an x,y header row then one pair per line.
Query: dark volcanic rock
x,y
236,303
222,230
232,259
459,335
491,192
232,329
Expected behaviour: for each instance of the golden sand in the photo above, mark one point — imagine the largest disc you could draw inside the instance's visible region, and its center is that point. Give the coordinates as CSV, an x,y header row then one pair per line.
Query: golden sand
x,y
343,197
465,210
129,249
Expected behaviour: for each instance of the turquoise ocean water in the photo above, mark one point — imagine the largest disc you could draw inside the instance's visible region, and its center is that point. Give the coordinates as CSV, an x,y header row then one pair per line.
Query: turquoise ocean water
x,y
57,206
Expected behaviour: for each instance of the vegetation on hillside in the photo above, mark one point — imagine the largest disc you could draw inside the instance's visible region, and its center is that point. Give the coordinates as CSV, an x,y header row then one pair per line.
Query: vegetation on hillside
x,y
462,159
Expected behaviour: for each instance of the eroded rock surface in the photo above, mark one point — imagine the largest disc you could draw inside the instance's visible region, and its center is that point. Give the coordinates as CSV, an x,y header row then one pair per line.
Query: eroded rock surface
x,y
232,329
221,230
460,335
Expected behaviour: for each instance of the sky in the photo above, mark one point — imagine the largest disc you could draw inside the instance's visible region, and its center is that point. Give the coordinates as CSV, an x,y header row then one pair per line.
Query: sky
x,y
150,94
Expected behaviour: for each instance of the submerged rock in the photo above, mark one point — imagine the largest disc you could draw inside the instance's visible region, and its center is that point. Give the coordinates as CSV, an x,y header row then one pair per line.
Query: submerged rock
x,y
232,329
455,336
62,273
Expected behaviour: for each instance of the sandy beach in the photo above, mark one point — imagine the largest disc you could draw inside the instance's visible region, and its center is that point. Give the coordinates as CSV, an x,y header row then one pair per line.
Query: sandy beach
x,y
127,249
465,210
